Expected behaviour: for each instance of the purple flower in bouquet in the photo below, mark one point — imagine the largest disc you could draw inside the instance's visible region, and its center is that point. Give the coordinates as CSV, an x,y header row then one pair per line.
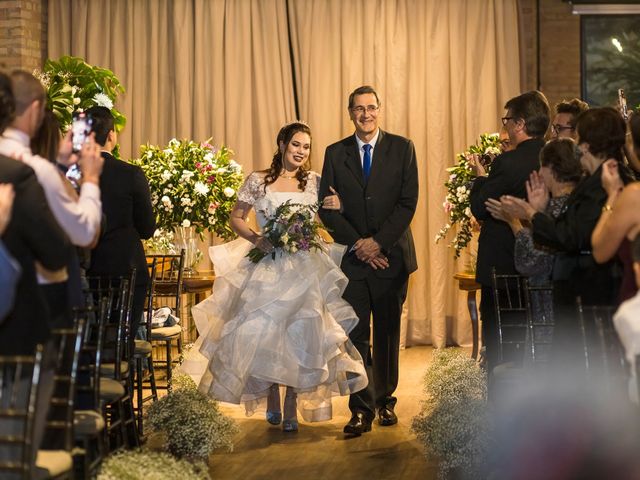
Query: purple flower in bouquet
x,y
290,229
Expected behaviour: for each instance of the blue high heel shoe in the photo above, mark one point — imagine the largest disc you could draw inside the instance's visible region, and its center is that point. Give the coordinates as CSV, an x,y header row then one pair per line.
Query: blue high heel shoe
x,y
274,418
290,425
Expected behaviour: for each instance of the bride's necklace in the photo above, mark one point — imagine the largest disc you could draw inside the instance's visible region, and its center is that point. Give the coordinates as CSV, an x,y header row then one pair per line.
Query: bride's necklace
x,y
288,177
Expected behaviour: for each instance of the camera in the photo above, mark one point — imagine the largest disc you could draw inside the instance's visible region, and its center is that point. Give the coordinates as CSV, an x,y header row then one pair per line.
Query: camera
x,y
80,130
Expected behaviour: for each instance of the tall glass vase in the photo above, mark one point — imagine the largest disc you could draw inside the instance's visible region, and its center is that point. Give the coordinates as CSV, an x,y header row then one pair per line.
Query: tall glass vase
x,y
186,238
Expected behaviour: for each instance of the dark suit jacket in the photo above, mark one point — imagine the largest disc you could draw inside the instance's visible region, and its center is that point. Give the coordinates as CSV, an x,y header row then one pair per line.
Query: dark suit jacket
x,y
508,176
32,235
126,204
382,208
570,235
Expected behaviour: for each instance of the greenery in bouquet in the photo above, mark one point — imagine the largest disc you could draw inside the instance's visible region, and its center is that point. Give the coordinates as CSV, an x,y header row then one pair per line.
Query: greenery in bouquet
x,y
144,464
457,203
192,185
290,229
73,85
192,423
453,424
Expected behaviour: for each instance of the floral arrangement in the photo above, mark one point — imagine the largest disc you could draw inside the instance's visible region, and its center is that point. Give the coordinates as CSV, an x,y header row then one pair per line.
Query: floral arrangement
x,y
456,203
191,422
290,229
143,464
192,185
453,424
73,85
162,242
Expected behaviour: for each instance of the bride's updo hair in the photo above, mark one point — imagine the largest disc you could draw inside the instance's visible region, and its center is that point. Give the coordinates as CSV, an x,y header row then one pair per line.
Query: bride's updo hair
x,y
285,135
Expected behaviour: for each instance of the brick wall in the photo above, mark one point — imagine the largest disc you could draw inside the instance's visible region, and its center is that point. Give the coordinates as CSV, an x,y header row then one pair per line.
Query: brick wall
x,y
559,45
22,34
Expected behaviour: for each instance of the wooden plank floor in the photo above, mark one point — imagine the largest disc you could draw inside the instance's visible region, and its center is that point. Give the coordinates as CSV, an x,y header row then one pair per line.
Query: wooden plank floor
x,y
321,451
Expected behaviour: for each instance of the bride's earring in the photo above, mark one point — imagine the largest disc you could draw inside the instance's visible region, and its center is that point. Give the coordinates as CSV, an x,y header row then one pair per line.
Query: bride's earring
x,y
290,422
274,414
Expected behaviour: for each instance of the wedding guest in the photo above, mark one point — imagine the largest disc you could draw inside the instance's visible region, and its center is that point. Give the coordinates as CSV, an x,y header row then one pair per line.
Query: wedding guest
x,y
46,141
32,236
564,121
281,320
601,133
627,322
375,175
9,268
505,143
619,221
78,215
560,171
126,202
526,121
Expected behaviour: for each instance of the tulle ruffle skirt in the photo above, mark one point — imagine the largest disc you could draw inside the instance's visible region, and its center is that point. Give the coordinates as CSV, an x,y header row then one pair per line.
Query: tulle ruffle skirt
x,y
280,321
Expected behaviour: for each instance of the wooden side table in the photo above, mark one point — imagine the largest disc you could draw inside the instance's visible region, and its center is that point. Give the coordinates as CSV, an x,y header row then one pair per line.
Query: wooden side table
x,y
196,287
467,282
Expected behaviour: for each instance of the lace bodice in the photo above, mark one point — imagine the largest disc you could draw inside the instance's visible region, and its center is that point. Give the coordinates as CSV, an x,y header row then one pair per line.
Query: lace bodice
x,y
253,193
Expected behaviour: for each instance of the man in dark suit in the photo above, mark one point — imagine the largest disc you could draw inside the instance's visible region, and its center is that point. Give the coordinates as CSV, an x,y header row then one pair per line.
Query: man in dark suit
x,y
526,122
375,174
126,204
32,235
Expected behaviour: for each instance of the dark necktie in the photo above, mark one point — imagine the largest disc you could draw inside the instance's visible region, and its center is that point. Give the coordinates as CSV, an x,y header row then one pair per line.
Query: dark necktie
x,y
366,161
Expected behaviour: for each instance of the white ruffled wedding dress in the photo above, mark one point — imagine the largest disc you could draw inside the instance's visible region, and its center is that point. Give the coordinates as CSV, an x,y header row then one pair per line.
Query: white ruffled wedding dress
x,y
281,320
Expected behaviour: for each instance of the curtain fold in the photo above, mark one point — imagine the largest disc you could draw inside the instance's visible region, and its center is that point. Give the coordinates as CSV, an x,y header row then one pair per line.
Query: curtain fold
x,y
225,68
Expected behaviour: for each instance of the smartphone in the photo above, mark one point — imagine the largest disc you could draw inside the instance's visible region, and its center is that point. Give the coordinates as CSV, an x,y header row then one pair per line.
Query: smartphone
x,y
80,130
74,174
622,104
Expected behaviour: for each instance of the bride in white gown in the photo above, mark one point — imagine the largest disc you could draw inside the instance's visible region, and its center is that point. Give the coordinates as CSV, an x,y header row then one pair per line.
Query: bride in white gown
x,y
281,321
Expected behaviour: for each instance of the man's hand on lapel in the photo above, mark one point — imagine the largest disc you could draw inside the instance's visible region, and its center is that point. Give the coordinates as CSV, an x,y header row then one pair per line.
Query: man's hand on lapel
x,y
367,249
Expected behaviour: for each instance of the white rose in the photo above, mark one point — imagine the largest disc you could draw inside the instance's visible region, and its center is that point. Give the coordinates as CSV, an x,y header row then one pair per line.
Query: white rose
x,y
208,157
165,199
76,100
166,175
229,192
186,223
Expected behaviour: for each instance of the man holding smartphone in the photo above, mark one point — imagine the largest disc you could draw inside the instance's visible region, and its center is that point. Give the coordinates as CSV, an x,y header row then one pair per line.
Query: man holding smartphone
x,y
79,216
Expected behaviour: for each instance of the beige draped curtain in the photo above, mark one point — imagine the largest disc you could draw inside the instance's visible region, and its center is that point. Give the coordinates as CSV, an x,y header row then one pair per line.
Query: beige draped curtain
x,y
236,70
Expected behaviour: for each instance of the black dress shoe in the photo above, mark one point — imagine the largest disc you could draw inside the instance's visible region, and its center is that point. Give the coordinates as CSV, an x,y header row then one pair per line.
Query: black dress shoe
x,y
386,417
358,424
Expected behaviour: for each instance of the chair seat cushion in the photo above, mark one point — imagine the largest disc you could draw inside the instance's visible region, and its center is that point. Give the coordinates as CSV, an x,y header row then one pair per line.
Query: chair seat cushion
x,y
163,333
110,390
107,369
87,423
52,463
142,349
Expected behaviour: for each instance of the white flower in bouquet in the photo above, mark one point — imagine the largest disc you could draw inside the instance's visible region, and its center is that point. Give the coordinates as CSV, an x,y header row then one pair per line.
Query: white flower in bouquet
x,y
229,192
186,223
166,175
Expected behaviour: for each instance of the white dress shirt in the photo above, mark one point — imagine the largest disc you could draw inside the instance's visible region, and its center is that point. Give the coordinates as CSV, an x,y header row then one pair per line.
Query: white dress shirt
x,y
79,218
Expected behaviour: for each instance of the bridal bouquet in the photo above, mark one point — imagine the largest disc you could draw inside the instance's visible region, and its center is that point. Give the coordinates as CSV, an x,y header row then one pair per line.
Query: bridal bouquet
x,y
457,203
290,229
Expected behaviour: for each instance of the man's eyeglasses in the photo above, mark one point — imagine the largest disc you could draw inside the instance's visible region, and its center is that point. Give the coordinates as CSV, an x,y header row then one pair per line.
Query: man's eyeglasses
x,y
557,128
506,119
360,109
